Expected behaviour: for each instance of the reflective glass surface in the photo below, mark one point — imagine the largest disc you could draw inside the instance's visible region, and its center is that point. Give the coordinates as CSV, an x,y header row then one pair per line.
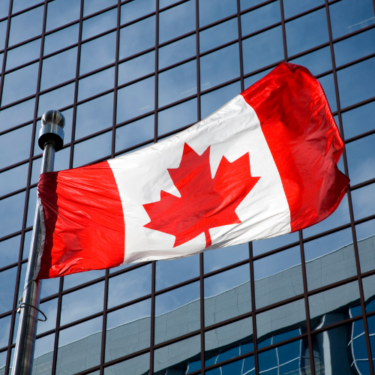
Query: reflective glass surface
x,y
217,35
8,282
13,179
365,236
132,10
358,120
99,24
93,6
61,39
43,355
177,51
58,98
61,12
368,290
9,251
213,10
23,54
363,207
317,62
135,68
13,206
293,7
136,366
50,309
262,246
16,115
96,84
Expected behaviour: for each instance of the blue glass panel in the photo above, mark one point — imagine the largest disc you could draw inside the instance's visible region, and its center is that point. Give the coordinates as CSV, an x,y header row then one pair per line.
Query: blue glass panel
x,y
136,9
219,258
362,205
213,10
4,330
262,246
8,283
260,18
13,179
215,99
249,81
50,287
177,21
61,39
128,330
22,29
244,4
137,37
3,30
263,49
134,133
357,82
50,309
278,277
27,244
178,116
171,272
369,292
306,32
20,84
177,312
219,66
72,281
129,285
217,35
22,55
61,12
59,68
95,115
4,9
227,294
82,303
35,171
19,5
79,347
14,146
165,3
97,53
355,47
136,68
361,159
92,149
58,99
317,62
177,51
9,250
136,99
95,84
43,354
350,15
177,83
365,237
99,24
31,206
180,357
93,6
17,114
293,7
136,366
328,85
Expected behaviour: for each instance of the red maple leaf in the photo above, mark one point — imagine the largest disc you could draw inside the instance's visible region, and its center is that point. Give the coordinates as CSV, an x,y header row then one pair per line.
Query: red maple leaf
x,y
205,202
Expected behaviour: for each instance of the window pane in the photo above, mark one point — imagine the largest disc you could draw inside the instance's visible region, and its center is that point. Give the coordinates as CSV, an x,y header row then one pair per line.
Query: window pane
x,y
219,66
43,354
183,356
8,283
365,240
263,49
227,295
22,29
95,84
50,309
79,347
58,98
50,287
4,9
3,29
9,250
177,21
93,6
357,82
20,84
31,207
243,366
129,285
97,53
214,10
95,115
219,258
93,149
61,39
135,99
177,51
178,116
13,206
330,259
61,12
134,133
215,99
59,68
362,205
128,330
177,83
262,246
4,330
16,115
369,292
99,24
260,18
22,55
27,244
278,277
328,85
171,272
217,35
350,15
293,7
228,342
137,37
136,366
317,62
359,120
136,9
177,312
72,281
306,32
136,68
13,179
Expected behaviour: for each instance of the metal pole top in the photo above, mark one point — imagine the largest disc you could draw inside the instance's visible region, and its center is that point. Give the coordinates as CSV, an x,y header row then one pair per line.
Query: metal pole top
x,y
52,131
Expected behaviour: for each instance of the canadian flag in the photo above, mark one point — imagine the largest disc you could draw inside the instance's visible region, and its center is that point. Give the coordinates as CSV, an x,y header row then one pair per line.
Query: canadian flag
x,y
263,165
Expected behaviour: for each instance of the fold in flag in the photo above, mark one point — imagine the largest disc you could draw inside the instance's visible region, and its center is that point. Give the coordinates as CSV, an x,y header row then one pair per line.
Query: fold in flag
x,y
263,165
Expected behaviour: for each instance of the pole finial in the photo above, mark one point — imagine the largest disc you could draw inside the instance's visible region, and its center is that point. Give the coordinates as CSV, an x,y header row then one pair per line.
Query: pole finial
x,y
52,131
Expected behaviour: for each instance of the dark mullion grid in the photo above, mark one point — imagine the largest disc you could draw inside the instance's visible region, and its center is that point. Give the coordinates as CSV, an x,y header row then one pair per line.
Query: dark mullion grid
x,y
152,326
240,45
284,35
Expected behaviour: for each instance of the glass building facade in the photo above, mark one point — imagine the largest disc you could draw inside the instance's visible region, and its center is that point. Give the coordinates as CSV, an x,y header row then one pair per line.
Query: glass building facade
x,y
129,73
